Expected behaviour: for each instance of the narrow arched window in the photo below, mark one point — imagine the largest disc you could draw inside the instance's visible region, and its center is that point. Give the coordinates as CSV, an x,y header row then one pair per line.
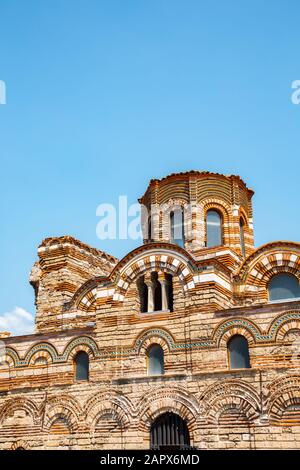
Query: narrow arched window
x,y
169,291
213,229
155,360
82,366
143,294
242,236
238,350
150,228
283,286
177,227
157,291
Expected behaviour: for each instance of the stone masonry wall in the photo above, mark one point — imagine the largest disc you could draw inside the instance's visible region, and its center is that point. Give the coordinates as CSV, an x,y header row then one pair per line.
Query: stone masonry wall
x,y
89,301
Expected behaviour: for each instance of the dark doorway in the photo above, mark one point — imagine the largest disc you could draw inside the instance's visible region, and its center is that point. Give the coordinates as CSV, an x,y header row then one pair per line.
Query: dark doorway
x,y
169,431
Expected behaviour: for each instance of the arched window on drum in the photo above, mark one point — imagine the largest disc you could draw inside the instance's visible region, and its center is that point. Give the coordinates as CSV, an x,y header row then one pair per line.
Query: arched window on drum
x,y
177,227
214,228
242,236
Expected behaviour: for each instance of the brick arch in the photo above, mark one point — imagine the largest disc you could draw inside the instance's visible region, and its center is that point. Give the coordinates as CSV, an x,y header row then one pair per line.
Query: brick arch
x,y
267,276
87,299
108,430
153,341
292,333
224,209
243,215
157,265
154,336
237,326
123,286
219,205
11,357
44,347
112,402
80,348
67,401
40,354
165,209
268,260
20,443
285,269
81,343
157,256
230,394
284,406
106,408
163,260
282,324
88,286
184,278
160,400
248,229
284,393
232,413
64,407
228,406
171,205
62,416
20,403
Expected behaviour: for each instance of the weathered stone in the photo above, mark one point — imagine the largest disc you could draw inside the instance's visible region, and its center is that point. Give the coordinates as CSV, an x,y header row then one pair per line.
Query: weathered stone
x,y
88,301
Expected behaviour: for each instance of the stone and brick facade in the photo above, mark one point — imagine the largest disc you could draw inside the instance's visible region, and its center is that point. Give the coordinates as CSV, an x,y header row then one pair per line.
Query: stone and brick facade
x,y
87,300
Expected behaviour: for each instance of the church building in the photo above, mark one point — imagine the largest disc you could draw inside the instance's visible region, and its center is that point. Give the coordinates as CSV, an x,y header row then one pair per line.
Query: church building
x,y
191,341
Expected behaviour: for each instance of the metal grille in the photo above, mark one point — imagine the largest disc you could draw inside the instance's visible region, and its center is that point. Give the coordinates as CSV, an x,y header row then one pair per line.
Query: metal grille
x,y
169,431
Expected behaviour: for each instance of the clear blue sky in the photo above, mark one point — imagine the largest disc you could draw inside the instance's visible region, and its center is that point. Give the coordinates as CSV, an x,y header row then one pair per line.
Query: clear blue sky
x,y
104,95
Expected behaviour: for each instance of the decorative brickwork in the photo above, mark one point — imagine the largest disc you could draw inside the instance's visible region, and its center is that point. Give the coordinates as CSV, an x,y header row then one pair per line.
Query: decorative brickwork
x,y
88,301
